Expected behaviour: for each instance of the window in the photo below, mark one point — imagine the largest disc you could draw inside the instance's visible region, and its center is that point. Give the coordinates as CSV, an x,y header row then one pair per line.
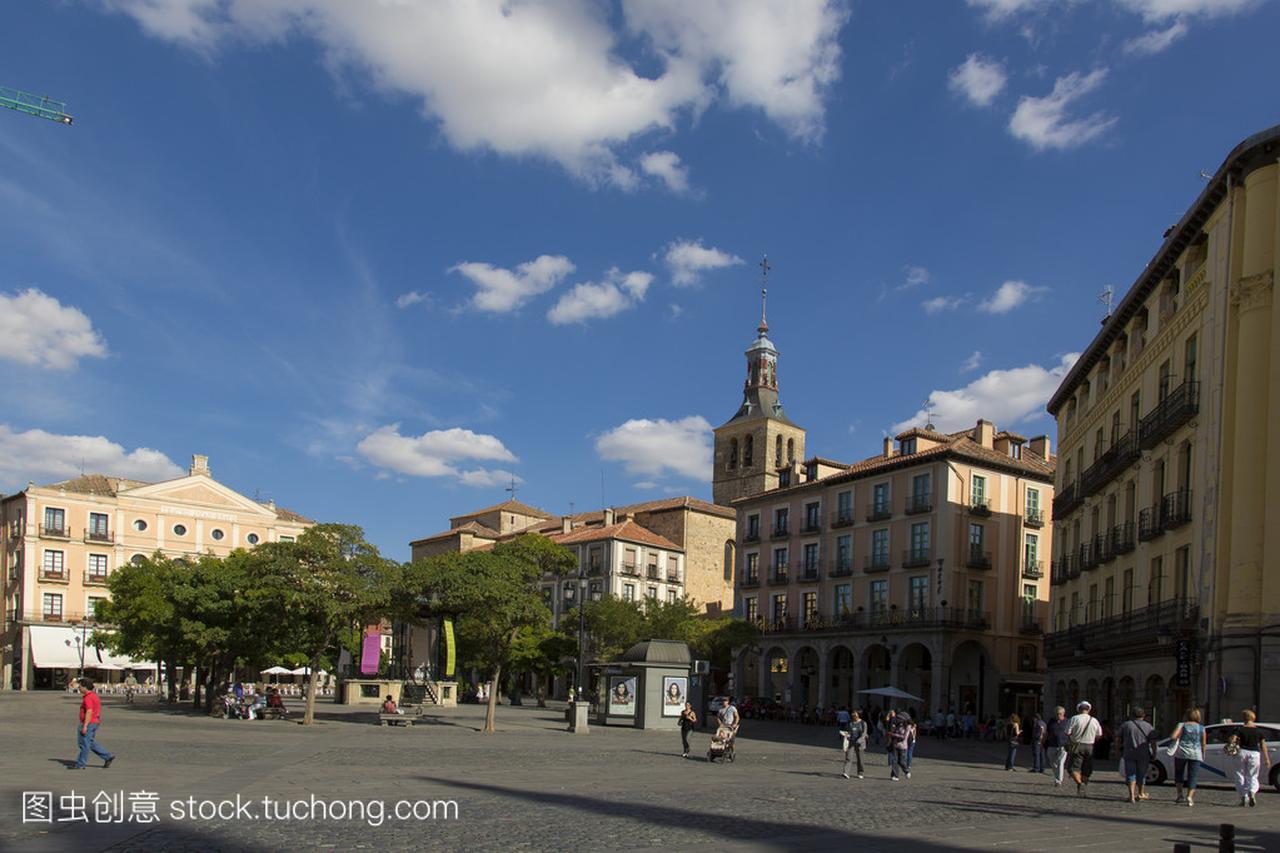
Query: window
x,y
628,592
777,452
879,596
594,590
51,606
843,600
53,563
780,607
753,526
1031,550
784,478
252,539
1075,608
282,538
752,609
1027,658
844,506
780,519
918,594
920,487
844,552
979,491
732,461
907,446
1033,503
181,530
791,450
780,560
920,541
629,558
98,565
747,446
976,532
673,566
811,472
1189,360
880,546
216,534
880,498
595,556
1126,600
98,525
976,598
1165,379
811,516
1155,587
653,593
1182,571
671,596
55,520
570,591
1109,598
1015,449
138,559
811,556
753,568
1099,444
652,568
809,607
91,606
1093,602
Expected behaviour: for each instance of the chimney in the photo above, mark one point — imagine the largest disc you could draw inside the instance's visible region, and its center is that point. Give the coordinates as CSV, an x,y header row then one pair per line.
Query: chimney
x,y
985,433
608,516
1040,446
566,524
199,465
888,447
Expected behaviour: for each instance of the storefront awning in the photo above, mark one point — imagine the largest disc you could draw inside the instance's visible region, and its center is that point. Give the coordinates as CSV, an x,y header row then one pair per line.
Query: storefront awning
x,y
57,647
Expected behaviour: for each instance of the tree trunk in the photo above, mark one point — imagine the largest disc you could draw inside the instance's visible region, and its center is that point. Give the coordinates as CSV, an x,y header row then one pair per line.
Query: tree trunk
x,y
310,713
197,688
491,711
542,690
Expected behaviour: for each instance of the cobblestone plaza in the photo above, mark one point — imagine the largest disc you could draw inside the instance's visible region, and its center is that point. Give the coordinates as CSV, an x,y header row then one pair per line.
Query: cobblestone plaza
x,y
533,786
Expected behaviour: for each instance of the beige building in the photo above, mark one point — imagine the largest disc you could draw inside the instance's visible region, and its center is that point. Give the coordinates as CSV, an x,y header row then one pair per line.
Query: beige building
x,y
921,568
61,543
1166,570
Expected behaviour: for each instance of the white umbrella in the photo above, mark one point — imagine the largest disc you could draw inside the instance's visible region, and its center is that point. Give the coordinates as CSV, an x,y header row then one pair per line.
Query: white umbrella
x,y
891,693
276,670
305,670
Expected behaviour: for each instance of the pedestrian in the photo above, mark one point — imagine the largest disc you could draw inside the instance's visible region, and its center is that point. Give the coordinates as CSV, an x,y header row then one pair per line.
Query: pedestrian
x,y
899,743
688,719
890,719
1134,742
1082,732
1188,753
1251,756
1039,729
1012,734
1056,740
855,740
90,719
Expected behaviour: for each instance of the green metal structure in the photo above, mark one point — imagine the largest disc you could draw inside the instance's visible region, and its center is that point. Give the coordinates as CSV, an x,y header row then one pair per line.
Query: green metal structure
x,y
34,105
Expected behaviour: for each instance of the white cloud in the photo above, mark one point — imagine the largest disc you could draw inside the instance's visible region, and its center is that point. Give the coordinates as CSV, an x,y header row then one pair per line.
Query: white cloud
x,y
645,485
1008,296
1156,41
500,290
978,79
1043,122
666,167
485,478
674,310
973,362
38,330
42,456
653,448
594,301
413,297
998,10
689,259
546,79
1005,397
1163,10
915,276
437,453
939,304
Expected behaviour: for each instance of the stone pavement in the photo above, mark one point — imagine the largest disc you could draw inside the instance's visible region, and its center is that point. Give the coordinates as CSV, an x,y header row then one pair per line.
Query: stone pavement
x,y
532,786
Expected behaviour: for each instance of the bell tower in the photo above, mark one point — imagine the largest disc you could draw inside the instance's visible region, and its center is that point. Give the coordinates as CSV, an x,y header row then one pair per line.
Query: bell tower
x,y
759,441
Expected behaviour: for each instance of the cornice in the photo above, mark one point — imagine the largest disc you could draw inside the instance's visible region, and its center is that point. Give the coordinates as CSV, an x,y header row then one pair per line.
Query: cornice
x,y
1252,292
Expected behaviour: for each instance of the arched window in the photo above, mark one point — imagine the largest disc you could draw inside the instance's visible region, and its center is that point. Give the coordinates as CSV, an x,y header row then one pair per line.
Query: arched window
x,y
777,452
747,448
732,461
729,559
791,450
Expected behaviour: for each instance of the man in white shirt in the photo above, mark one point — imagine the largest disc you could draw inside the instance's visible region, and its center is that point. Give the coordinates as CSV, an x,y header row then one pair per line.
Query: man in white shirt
x,y
1082,731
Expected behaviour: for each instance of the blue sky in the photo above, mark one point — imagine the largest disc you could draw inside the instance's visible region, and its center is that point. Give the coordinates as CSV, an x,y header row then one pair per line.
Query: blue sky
x,y
375,259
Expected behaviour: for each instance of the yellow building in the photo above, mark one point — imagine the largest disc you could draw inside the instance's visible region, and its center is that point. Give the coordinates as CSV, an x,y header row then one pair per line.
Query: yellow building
x,y
61,543
1166,584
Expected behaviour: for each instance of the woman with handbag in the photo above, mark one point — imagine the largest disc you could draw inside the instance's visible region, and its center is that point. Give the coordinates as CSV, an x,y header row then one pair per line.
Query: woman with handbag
x,y
855,740
1187,750
1012,733
1249,746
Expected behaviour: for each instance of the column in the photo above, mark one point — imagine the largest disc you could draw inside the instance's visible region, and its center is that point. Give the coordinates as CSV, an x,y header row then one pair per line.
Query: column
x,y
824,677
765,688
939,698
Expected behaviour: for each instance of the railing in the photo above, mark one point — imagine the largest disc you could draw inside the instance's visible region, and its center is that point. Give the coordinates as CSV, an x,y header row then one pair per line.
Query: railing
x,y
842,570
1175,509
35,616
750,581
1031,626
955,618
1102,548
811,525
978,558
1034,517
95,578
917,504
809,573
1119,456
59,575
15,531
99,536
673,577
651,573
877,563
751,536
842,519
595,571
63,532
1149,526
914,558
780,532
778,578
1122,538
1135,630
1088,557
631,571
980,506
1072,566
1033,569
879,513
1180,406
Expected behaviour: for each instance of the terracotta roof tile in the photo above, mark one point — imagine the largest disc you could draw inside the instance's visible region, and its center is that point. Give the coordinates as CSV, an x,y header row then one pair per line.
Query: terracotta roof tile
x,y
473,527
96,484
509,505
289,515
627,530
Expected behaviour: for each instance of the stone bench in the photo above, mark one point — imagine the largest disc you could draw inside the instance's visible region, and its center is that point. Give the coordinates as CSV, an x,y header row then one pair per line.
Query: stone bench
x,y
395,719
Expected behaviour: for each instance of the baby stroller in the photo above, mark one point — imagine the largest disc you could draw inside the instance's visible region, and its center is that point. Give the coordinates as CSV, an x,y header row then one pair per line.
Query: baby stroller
x,y
721,745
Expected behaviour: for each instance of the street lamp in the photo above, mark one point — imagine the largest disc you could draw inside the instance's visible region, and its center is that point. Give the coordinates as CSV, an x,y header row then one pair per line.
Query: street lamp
x,y
580,677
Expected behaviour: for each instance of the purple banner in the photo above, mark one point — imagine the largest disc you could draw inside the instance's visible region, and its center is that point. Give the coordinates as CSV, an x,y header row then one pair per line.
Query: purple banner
x,y
370,653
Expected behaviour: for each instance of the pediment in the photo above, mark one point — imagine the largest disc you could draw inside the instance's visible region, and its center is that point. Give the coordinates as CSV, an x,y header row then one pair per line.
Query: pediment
x,y
199,491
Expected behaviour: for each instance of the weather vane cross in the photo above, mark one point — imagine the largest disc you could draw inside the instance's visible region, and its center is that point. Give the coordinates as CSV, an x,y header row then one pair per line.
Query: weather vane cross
x,y
928,414
511,488
764,291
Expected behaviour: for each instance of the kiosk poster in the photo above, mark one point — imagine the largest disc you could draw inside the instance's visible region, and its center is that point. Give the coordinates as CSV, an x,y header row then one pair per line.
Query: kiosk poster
x,y
675,692
622,695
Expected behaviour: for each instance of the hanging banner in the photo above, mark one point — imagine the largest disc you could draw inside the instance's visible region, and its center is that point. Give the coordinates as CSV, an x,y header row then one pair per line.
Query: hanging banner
x,y
371,652
450,655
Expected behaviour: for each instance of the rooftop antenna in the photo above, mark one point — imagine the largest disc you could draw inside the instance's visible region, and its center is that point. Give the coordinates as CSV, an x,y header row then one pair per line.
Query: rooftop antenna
x,y
928,415
602,501
511,488
1205,176
764,291
1108,298
81,466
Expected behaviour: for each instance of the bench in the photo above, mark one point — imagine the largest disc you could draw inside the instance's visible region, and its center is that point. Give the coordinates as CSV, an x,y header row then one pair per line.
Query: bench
x,y
395,719
269,713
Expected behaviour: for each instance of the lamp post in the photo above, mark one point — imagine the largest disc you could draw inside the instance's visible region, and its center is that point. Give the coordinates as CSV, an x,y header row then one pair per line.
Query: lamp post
x,y
580,675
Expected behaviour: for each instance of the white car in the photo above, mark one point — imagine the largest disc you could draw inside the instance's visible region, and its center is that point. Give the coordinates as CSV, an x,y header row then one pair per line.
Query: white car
x,y
1217,767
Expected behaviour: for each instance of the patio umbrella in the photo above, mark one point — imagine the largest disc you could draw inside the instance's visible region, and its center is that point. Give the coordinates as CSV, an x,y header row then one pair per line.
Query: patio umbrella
x,y
305,670
276,670
891,693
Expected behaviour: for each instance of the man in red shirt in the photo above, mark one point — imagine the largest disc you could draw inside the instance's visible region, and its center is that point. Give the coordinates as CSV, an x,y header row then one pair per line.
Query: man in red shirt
x,y
90,719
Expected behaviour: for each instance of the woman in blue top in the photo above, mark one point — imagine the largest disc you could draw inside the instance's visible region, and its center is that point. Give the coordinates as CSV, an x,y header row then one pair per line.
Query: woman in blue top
x,y
1189,741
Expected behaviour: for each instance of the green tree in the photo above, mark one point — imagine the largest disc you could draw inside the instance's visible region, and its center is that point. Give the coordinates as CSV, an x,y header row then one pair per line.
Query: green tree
x,y
143,611
612,625
543,652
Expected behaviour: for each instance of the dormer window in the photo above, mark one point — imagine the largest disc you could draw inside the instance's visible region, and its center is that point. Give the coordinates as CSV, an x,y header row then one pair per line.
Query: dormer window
x,y
907,446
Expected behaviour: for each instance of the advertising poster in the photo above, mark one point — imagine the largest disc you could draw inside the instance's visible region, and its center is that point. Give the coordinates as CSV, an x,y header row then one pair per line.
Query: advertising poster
x,y
675,692
622,695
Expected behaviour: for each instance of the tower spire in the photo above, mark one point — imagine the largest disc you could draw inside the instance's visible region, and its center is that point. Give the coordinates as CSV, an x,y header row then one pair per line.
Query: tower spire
x,y
764,293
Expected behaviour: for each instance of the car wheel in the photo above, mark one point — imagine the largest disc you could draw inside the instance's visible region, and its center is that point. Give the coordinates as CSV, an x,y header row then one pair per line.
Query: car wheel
x,y
1156,774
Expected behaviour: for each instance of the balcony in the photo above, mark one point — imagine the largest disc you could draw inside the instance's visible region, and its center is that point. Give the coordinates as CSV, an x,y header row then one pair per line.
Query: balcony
x,y
751,536
842,570
877,563
54,575
980,506
780,532
1102,549
653,574
778,578
809,574
1149,526
751,582
1118,457
673,577
946,618
842,519
1030,626
811,525
978,558
1175,509
100,536
630,571
1066,500
915,558
1134,632
59,617
1034,517
880,512
917,504
1033,569
1071,566
95,578
1173,411
62,532
1122,539
1088,557
595,570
